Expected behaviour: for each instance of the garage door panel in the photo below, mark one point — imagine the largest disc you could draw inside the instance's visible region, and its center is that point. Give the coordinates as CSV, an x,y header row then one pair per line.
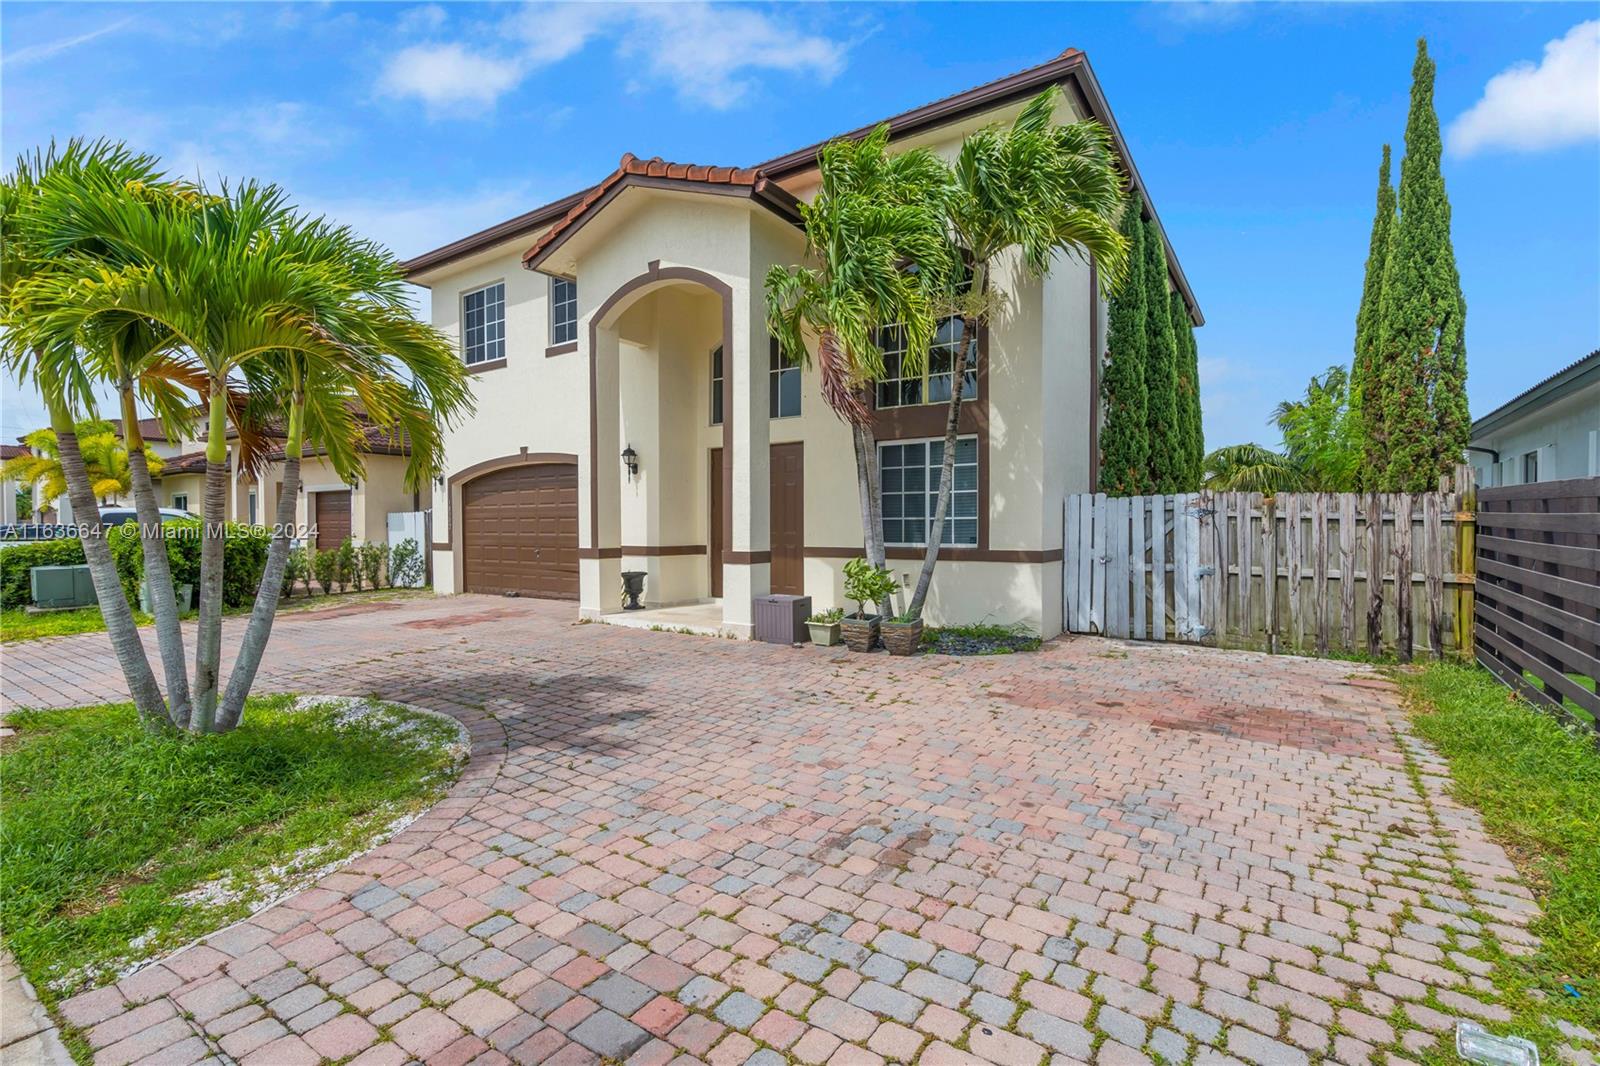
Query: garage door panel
x,y
520,531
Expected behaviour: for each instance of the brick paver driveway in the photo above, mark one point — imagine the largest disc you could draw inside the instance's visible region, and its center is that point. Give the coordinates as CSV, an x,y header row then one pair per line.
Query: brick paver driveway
x,y
671,847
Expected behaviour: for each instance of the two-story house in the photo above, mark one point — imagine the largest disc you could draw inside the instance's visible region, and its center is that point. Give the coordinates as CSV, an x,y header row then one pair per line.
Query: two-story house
x,y
633,415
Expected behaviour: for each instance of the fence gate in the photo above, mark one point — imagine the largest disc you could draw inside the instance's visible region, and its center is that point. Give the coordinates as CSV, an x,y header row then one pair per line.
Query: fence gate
x,y
1135,566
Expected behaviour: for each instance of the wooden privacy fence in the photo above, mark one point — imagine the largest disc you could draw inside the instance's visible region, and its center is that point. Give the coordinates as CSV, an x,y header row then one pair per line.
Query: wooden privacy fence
x,y
1538,602
1285,573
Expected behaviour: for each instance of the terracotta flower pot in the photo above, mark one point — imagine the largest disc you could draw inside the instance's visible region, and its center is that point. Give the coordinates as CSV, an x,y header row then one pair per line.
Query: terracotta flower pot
x,y
860,634
902,638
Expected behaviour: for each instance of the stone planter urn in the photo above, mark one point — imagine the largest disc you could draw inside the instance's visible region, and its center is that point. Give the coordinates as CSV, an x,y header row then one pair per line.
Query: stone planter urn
x,y
825,634
633,588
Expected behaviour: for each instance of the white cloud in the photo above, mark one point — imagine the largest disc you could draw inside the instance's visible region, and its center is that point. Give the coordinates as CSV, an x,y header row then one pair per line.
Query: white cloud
x,y
425,19
37,53
705,54
447,76
1528,107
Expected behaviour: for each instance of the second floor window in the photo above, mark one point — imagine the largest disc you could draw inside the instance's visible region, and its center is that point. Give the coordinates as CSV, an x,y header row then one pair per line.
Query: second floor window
x,y
716,386
901,387
563,311
483,320
1530,468
783,386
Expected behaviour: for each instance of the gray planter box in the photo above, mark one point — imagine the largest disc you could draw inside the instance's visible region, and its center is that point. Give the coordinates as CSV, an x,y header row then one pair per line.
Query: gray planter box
x,y
781,619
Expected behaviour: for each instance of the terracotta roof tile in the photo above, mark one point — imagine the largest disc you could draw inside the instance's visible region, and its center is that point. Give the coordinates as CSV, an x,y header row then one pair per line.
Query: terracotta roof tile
x,y
655,167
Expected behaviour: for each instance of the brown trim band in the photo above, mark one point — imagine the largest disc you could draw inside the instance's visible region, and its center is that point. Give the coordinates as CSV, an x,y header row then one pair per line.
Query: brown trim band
x,y
561,349
599,553
483,368
952,554
653,550
441,547
745,558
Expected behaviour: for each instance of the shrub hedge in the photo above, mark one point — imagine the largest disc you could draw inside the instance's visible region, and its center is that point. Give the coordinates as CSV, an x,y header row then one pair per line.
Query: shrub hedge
x,y
244,556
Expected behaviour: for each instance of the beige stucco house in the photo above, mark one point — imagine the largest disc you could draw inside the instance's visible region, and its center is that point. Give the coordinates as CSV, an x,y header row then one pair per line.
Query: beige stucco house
x,y
327,505
630,317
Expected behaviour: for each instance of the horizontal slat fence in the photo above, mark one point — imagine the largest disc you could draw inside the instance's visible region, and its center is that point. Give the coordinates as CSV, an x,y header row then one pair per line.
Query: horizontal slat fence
x,y
1538,595
1288,573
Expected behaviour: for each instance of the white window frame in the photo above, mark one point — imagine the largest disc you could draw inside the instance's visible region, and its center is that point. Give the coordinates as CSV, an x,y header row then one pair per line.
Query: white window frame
x,y
491,349
777,367
930,494
891,340
180,501
560,326
252,506
717,394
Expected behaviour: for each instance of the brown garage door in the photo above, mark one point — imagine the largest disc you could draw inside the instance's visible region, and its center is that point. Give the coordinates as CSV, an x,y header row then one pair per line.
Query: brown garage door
x,y
333,519
520,531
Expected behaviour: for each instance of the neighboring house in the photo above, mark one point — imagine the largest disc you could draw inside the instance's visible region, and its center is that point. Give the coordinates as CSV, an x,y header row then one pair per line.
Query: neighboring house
x,y
9,512
630,316
327,505
1548,433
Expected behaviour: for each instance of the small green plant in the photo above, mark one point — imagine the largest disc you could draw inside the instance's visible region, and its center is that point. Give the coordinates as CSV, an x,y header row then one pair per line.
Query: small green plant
x,y
406,565
865,583
325,568
828,617
294,570
371,560
347,570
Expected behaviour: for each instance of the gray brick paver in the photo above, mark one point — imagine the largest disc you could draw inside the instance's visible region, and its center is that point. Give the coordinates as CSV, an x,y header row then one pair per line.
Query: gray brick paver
x,y
733,825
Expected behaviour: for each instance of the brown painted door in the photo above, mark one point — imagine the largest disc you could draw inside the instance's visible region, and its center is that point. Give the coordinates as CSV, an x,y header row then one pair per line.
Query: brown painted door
x,y
333,519
714,519
519,532
787,501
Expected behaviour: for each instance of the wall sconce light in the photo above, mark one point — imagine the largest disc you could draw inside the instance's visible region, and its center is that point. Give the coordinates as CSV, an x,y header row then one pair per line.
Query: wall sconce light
x,y
630,459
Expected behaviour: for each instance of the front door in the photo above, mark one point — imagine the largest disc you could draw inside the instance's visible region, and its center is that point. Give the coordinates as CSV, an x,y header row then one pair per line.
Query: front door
x,y
714,519
787,502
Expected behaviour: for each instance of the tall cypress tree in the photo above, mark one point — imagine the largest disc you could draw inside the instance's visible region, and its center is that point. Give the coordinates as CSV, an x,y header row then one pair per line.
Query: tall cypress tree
x,y
1192,435
1366,392
1124,447
1163,428
1422,316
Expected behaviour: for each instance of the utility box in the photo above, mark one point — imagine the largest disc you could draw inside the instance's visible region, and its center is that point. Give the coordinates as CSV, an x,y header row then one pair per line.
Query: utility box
x,y
781,619
62,586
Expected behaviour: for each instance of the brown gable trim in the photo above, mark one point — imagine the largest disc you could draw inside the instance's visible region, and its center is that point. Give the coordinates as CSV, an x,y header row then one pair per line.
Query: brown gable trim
x,y
487,238
773,197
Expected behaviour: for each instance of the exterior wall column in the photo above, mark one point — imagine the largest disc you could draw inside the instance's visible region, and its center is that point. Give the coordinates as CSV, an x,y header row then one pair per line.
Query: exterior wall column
x,y
600,484
747,563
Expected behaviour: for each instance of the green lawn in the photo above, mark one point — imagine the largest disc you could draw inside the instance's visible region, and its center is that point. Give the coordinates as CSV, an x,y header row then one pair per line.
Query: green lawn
x,y
117,844
1537,785
19,625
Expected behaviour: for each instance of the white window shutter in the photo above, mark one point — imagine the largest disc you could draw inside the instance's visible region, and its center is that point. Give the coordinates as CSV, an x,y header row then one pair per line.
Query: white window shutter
x,y
1547,463
1594,453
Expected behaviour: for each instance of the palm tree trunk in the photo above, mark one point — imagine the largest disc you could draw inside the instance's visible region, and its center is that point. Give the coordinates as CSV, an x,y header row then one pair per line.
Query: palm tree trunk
x,y
866,447
947,468
157,567
114,607
259,631
208,641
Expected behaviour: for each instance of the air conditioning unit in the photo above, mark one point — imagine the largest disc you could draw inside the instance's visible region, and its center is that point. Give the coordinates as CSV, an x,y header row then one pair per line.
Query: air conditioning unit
x,y
62,586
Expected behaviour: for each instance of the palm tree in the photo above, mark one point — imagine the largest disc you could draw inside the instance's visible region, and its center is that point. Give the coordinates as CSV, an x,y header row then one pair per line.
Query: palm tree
x,y
47,358
880,257
105,459
1321,432
1045,188
1252,468
270,317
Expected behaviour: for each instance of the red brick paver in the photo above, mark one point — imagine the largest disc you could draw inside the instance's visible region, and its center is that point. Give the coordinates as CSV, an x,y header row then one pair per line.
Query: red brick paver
x,y
669,844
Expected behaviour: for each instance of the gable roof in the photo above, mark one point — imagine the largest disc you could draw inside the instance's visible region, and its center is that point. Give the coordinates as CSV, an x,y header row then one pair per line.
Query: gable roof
x,y
1070,69
11,451
750,182
1554,387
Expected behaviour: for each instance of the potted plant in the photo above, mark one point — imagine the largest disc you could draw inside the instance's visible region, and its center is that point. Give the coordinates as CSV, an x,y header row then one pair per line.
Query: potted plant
x,y
824,626
902,635
866,585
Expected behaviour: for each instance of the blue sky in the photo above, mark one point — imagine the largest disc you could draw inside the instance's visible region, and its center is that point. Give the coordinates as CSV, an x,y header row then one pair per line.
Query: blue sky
x,y
1256,126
